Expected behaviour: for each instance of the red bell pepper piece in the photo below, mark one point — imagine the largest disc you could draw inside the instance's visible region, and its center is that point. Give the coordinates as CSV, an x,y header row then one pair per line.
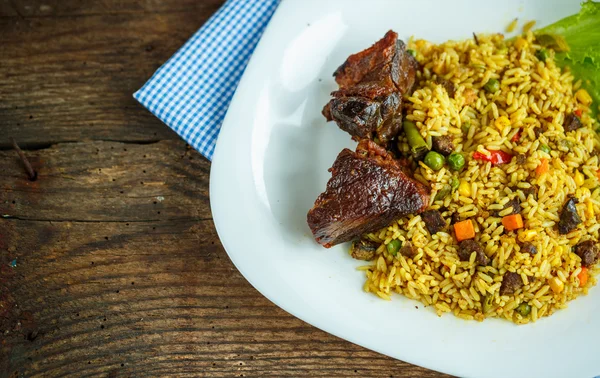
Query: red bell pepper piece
x,y
578,112
495,157
516,137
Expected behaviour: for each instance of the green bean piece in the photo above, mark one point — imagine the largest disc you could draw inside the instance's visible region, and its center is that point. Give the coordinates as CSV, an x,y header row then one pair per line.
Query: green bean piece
x,y
524,309
456,161
442,193
545,148
487,303
465,127
393,247
434,160
412,52
454,183
417,144
542,54
492,86
566,144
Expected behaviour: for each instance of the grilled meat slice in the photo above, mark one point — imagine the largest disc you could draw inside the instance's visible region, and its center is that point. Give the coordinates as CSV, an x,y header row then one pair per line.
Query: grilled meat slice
x,y
367,190
381,69
372,82
362,117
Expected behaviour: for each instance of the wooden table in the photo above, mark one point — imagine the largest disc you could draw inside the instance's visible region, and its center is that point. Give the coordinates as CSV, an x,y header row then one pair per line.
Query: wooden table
x,y
119,270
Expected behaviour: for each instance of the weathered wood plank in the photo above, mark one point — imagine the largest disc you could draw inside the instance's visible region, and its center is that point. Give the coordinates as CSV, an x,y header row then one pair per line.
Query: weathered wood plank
x,y
109,288
71,78
61,8
153,183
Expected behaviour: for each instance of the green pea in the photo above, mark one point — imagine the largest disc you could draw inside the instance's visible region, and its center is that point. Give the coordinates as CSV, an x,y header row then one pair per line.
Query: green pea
x,y
524,309
542,54
492,86
412,52
434,160
456,161
454,183
393,247
545,148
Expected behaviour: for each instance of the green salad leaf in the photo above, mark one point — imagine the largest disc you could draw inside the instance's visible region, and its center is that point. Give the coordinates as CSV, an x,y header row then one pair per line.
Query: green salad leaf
x,y
576,41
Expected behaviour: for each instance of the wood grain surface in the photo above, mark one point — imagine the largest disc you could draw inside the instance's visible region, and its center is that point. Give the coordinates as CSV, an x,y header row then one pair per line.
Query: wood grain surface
x,y
110,265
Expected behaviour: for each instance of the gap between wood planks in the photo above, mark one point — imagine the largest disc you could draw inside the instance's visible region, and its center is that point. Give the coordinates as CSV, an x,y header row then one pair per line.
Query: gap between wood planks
x,y
37,146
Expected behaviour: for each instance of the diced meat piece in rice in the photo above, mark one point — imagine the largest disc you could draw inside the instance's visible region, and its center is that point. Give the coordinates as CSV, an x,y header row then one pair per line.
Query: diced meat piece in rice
x,y
443,145
448,86
433,221
408,250
514,203
511,282
528,247
569,219
527,191
363,249
588,251
572,122
467,247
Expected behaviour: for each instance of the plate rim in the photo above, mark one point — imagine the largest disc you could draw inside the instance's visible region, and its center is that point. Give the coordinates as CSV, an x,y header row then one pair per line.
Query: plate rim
x,y
440,365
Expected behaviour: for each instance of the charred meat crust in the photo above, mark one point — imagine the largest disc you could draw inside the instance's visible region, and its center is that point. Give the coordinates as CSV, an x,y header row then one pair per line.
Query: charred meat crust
x,y
368,190
368,103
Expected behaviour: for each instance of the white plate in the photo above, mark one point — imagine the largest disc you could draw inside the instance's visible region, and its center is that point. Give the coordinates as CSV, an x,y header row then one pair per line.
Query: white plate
x,y
271,163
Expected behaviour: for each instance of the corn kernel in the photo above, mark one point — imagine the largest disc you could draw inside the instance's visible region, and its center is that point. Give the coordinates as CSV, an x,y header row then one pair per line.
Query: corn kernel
x,y
464,189
589,209
579,179
521,43
556,285
584,97
502,122
527,235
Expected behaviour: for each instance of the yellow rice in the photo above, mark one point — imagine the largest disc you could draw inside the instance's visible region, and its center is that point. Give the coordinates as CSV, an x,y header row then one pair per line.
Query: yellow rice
x,y
532,94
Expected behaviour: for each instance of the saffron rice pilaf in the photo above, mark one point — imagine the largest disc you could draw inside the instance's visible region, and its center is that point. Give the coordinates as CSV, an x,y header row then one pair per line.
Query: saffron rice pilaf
x,y
522,117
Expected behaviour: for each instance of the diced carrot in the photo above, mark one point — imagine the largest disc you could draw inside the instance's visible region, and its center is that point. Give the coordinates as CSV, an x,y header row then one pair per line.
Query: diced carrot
x,y
543,167
464,230
578,112
583,276
512,222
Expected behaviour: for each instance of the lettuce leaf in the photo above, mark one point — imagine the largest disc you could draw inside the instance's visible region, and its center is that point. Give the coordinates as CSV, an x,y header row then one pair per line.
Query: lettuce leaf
x,y
581,33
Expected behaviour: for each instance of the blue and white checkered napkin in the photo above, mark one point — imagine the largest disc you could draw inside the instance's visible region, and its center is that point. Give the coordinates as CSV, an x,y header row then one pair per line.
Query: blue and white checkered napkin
x,y
192,90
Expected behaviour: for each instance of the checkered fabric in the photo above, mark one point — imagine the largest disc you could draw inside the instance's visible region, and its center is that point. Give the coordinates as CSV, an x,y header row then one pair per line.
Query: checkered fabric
x,y
192,90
